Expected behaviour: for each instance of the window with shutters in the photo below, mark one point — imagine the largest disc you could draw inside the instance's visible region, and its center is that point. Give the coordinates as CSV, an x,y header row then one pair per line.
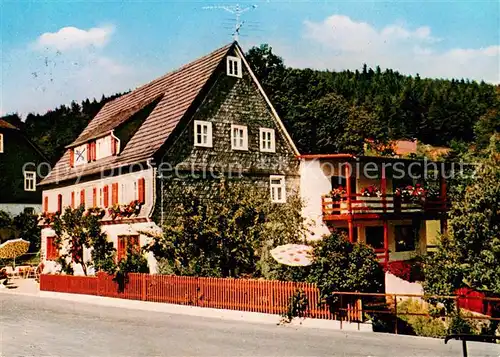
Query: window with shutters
x,y
234,66
29,181
239,137
52,250
104,147
278,189
126,243
267,140
202,133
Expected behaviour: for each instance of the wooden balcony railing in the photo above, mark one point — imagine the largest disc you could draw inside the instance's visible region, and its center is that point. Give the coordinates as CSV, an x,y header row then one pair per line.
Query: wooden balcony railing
x,y
388,204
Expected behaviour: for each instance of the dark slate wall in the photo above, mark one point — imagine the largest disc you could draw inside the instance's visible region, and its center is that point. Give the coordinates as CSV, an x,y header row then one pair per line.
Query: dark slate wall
x,y
233,101
17,152
230,101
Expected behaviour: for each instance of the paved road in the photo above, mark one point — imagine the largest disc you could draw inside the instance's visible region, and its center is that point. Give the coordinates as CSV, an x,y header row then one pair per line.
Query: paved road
x,y
33,326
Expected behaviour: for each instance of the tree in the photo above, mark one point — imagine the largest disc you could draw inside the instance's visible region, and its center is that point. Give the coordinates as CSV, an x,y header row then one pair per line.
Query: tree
x,y
77,229
469,256
227,232
339,265
26,224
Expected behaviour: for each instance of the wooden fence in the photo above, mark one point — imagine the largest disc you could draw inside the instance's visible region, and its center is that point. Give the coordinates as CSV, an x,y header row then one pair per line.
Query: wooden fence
x,y
235,294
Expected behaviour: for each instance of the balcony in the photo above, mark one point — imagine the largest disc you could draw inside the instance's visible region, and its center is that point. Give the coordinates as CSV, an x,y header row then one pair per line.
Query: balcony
x,y
388,206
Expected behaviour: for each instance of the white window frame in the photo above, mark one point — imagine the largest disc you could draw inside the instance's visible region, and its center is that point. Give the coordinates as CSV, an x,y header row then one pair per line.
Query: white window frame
x,y
103,147
265,144
201,124
84,156
239,142
275,187
233,67
1,143
27,180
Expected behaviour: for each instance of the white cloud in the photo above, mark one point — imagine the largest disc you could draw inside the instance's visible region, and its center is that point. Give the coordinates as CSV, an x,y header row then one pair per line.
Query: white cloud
x,y
340,42
75,38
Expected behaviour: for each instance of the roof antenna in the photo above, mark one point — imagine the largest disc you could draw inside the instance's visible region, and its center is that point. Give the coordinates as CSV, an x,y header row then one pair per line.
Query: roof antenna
x,y
237,11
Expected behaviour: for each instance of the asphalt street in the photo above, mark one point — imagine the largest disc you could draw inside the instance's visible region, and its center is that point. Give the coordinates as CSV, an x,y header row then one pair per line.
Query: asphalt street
x,y
34,326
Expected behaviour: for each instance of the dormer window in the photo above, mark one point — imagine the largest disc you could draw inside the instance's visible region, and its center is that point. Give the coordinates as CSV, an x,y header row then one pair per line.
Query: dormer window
x,y
202,133
104,147
234,66
80,155
239,137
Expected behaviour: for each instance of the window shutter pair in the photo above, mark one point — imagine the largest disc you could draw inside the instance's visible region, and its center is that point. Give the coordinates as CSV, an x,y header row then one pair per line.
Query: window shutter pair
x,y
91,150
114,194
141,190
46,204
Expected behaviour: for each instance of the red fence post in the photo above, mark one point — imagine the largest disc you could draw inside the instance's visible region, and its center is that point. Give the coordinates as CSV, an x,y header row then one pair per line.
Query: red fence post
x,y
144,286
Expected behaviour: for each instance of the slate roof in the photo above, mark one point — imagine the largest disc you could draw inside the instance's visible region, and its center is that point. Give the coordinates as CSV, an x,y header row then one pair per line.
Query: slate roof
x,y
177,89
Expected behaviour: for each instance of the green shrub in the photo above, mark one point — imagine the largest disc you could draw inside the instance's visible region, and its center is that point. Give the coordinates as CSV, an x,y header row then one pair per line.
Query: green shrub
x,y
426,326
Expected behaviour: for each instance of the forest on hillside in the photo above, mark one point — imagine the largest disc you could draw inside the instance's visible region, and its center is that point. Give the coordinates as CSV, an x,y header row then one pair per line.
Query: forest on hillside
x,y
328,111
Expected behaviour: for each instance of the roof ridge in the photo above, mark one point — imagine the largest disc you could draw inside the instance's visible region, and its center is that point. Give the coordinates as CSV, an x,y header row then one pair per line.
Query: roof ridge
x,y
6,125
168,74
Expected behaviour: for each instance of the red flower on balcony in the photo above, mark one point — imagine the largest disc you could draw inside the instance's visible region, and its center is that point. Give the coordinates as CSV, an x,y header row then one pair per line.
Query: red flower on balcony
x,y
371,191
337,194
411,193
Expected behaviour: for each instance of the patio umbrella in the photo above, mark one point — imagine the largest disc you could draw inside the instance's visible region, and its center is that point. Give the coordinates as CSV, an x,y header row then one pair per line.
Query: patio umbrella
x,y
13,248
293,254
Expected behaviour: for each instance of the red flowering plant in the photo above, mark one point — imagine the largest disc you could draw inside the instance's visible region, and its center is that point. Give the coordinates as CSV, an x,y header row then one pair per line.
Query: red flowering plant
x,y
95,211
48,218
411,193
371,191
119,211
337,194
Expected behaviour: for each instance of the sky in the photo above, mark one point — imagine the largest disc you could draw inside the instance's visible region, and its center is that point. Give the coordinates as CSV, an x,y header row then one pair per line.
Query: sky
x,y
56,51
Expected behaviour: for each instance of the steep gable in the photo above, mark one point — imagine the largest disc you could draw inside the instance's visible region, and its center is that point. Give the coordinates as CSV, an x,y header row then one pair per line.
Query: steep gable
x,y
181,93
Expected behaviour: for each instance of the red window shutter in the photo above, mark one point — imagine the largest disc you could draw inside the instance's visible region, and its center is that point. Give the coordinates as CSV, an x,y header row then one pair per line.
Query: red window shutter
x,y
73,199
113,146
106,196
52,249
46,204
94,197
114,194
121,252
82,198
141,188
89,152
71,157
59,203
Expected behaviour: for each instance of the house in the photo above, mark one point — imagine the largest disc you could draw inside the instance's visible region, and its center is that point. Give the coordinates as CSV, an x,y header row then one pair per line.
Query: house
x,y
209,118
396,205
21,166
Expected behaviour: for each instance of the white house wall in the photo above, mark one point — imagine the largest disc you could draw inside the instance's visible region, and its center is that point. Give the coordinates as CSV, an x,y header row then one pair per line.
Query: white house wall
x,y
113,231
313,185
125,180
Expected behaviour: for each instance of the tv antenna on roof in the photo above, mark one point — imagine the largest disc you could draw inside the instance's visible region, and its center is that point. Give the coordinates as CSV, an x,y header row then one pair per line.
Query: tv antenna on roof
x,y
236,10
